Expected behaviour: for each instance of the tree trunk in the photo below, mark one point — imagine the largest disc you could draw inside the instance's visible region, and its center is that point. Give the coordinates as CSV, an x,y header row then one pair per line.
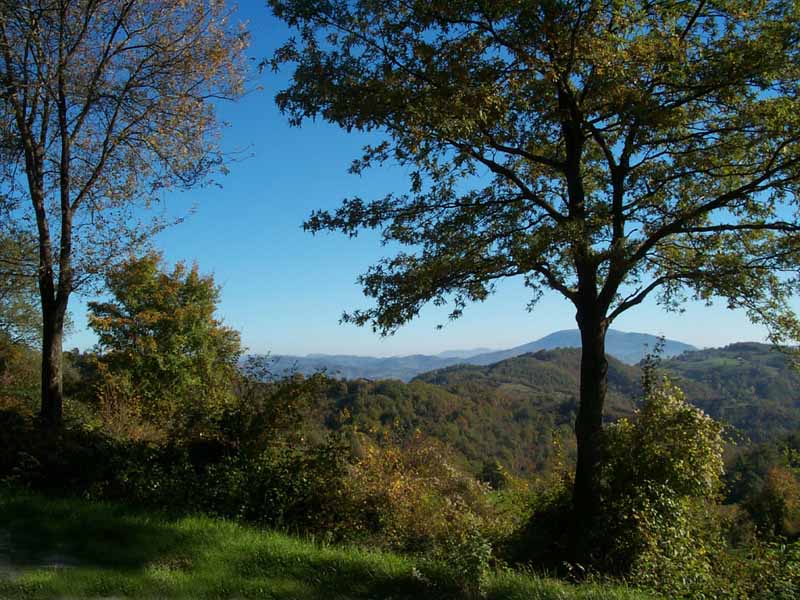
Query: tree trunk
x,y
52,386
589,432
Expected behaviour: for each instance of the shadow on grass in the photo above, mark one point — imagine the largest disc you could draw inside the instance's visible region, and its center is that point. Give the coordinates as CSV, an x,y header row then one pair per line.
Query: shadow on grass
x,y
76,549
41,532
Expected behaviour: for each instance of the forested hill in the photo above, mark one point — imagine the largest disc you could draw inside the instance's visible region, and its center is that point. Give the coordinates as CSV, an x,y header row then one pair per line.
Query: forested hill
x,y
751,386
509,410
548,378
748,385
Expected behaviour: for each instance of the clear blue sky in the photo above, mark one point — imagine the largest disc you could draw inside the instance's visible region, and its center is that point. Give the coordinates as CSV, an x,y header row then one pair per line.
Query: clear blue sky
x,y
285,290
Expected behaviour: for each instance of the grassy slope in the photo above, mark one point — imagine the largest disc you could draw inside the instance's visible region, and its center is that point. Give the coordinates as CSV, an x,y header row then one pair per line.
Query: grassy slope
x,y
114,551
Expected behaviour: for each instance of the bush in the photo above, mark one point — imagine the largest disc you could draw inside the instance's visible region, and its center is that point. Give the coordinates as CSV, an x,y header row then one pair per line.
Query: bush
x,y
413,498
250,460
19,375
661,476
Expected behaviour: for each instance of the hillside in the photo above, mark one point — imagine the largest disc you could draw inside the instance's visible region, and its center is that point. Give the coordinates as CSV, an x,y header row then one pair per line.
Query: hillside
x,y
627,347
546,378
509,410
748,385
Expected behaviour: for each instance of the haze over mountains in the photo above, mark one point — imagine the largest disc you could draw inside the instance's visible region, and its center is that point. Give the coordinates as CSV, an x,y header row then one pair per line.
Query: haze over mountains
x,y
626,347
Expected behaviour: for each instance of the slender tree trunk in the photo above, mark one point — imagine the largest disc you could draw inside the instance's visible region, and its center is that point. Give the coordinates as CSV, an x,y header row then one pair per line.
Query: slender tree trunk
x,y
589,431
52,400
53,312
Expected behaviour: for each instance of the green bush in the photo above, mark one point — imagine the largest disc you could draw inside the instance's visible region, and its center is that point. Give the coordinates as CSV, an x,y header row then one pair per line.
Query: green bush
x,y
662,474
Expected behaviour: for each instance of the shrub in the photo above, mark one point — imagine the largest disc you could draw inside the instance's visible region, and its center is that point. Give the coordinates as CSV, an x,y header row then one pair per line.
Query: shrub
x,y
413,498
19,375
758,571
662,474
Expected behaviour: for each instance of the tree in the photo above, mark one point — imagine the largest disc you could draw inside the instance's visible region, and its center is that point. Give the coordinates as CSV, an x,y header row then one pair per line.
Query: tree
x,y
605,150
20,319
159,333
105,104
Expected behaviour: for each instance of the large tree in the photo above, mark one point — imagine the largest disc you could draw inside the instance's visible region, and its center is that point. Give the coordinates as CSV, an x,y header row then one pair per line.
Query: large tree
x,y
105,104
607,150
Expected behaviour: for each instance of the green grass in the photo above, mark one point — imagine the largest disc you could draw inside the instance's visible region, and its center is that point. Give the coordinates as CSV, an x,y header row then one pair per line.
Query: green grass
x,y
110,550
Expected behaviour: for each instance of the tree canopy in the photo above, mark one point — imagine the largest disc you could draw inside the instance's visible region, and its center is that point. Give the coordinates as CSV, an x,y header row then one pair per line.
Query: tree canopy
x,y
605,150
656,143
160,333
20,317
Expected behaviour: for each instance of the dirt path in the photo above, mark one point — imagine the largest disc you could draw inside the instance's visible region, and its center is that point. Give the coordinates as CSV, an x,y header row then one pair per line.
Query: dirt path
x,y
11,565
6,568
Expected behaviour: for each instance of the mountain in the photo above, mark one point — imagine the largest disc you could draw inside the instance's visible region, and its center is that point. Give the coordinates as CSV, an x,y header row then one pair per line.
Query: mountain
x,y
627,347
463,353
512,410
360,367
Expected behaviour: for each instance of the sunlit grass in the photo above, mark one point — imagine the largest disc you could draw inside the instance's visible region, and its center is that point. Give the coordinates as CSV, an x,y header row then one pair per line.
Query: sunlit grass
x,y
104,550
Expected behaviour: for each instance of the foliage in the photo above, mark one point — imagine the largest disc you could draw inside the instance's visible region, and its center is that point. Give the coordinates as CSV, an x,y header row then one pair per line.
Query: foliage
x,y
262,460
19,374
758,571
765,481
105,104
508,412
663,470
20,318
613,148
161,345
775,508
413,494
750,386
505,412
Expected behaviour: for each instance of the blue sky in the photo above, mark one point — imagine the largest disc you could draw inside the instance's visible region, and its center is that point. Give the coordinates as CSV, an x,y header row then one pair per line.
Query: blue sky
x,y
285,289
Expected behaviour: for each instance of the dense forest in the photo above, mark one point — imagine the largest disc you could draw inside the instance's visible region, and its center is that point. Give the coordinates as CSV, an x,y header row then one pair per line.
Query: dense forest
x,y
510,411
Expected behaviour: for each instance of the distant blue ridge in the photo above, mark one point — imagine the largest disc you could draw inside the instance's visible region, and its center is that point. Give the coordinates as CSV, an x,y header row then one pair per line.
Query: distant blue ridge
x,y
627,347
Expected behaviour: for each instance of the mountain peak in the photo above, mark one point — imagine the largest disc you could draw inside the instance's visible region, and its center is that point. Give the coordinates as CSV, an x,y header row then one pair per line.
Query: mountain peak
x,y
629,347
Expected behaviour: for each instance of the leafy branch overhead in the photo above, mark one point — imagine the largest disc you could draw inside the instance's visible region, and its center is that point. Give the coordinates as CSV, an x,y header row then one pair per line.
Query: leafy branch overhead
x,y
624,148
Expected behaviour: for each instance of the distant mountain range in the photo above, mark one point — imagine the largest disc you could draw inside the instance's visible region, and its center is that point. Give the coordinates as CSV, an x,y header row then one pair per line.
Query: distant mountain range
x,y
626,347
